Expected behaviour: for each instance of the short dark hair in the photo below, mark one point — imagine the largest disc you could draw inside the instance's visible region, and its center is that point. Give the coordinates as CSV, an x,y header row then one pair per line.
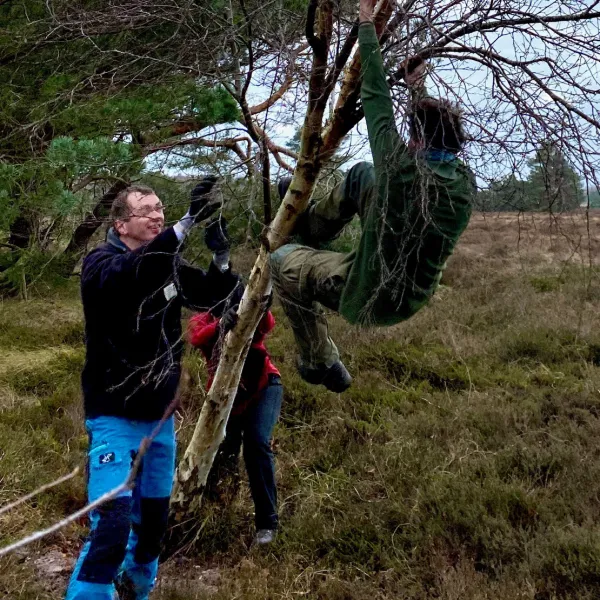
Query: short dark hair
x,y
438,123
120,209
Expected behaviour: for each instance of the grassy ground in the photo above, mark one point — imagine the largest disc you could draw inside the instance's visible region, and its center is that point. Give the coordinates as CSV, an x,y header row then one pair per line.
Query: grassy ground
x,y
463,463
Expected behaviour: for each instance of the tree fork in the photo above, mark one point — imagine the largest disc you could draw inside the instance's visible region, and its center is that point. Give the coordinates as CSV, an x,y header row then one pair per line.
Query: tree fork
x,y
193,470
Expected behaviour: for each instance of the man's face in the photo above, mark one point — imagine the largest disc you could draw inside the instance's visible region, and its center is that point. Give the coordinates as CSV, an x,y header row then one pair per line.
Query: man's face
x,y
146,220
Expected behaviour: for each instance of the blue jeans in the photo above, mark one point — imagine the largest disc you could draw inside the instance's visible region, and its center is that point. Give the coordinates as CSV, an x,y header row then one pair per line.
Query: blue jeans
x,y
254,427
126,532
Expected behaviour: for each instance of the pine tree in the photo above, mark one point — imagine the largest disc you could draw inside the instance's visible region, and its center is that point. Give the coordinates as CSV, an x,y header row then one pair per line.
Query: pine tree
x,y
594,199
506,194
71,116
553,184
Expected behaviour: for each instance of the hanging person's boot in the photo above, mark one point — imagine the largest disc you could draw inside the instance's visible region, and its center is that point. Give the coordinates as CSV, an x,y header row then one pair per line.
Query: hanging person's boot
x,y
335,378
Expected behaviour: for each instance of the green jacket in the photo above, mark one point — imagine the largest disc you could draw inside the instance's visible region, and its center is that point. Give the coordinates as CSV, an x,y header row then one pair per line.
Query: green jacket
x,y
419,210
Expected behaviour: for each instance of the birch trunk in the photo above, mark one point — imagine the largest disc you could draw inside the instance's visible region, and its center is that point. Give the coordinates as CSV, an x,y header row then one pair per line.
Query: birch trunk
x,y
193,469
197,461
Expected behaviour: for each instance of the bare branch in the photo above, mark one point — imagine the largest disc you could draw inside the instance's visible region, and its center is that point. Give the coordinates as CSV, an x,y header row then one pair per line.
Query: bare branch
x,y
126,485
40,490
285,86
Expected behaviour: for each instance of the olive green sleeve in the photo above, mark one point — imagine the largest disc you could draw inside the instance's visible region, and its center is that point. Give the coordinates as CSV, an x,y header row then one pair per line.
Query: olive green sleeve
x,y
376,98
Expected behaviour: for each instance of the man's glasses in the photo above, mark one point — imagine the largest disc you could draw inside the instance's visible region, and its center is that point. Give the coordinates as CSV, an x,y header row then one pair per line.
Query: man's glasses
x,y
146,211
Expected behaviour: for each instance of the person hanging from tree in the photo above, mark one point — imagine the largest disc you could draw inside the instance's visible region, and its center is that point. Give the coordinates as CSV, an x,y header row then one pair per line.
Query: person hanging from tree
x,y
257,402
414,202
133,288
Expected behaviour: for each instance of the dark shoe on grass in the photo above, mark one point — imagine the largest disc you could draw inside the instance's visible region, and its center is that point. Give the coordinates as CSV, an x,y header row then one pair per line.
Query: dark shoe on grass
x,y
264,537
335,378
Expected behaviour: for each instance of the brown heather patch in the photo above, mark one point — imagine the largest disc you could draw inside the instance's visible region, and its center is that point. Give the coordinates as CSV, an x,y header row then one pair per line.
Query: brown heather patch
x,y
462,464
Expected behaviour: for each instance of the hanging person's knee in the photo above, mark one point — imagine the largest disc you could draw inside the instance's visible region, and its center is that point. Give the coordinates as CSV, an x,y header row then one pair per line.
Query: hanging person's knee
x,y
362,170
280,254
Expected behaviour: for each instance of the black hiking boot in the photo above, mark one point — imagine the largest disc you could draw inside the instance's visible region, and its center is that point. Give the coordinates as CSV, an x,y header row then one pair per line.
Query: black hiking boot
x,y
335,378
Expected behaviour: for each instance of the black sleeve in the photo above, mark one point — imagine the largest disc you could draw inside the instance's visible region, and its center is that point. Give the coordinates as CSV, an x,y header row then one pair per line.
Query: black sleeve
x,y
145,267
201,290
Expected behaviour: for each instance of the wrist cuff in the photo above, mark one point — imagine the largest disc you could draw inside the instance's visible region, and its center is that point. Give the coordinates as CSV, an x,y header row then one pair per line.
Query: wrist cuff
x,y
183,226
221,260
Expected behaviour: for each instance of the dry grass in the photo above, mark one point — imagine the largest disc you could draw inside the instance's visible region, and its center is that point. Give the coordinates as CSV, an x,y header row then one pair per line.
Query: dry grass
x,y
462,464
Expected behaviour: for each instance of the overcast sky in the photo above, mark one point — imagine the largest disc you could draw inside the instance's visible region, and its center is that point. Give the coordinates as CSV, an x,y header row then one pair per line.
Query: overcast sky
x,y
474,88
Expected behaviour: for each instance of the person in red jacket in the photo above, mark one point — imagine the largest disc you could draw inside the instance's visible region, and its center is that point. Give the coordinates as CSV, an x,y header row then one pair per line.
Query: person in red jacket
x,y
254,413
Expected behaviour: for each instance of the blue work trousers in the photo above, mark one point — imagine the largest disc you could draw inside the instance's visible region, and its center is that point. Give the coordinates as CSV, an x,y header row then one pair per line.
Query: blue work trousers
x,y
126,532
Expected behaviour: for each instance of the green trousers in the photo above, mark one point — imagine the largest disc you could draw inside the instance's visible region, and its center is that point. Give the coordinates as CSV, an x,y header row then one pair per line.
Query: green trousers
x,y
306,279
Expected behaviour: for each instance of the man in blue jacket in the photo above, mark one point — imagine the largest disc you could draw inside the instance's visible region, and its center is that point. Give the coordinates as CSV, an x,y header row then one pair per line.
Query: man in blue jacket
x,y
133,288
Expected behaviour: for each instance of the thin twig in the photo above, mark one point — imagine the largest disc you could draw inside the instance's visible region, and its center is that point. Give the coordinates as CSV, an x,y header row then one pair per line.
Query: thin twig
x,y
40,490
126,485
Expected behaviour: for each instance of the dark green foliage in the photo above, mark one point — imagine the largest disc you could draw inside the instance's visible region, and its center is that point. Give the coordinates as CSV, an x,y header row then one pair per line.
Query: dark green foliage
x,y
552,185
594,199
507,194
543,284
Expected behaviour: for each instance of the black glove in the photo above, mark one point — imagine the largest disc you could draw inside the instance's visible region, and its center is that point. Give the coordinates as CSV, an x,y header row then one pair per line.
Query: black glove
x,y
215,235
229,319
201,207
